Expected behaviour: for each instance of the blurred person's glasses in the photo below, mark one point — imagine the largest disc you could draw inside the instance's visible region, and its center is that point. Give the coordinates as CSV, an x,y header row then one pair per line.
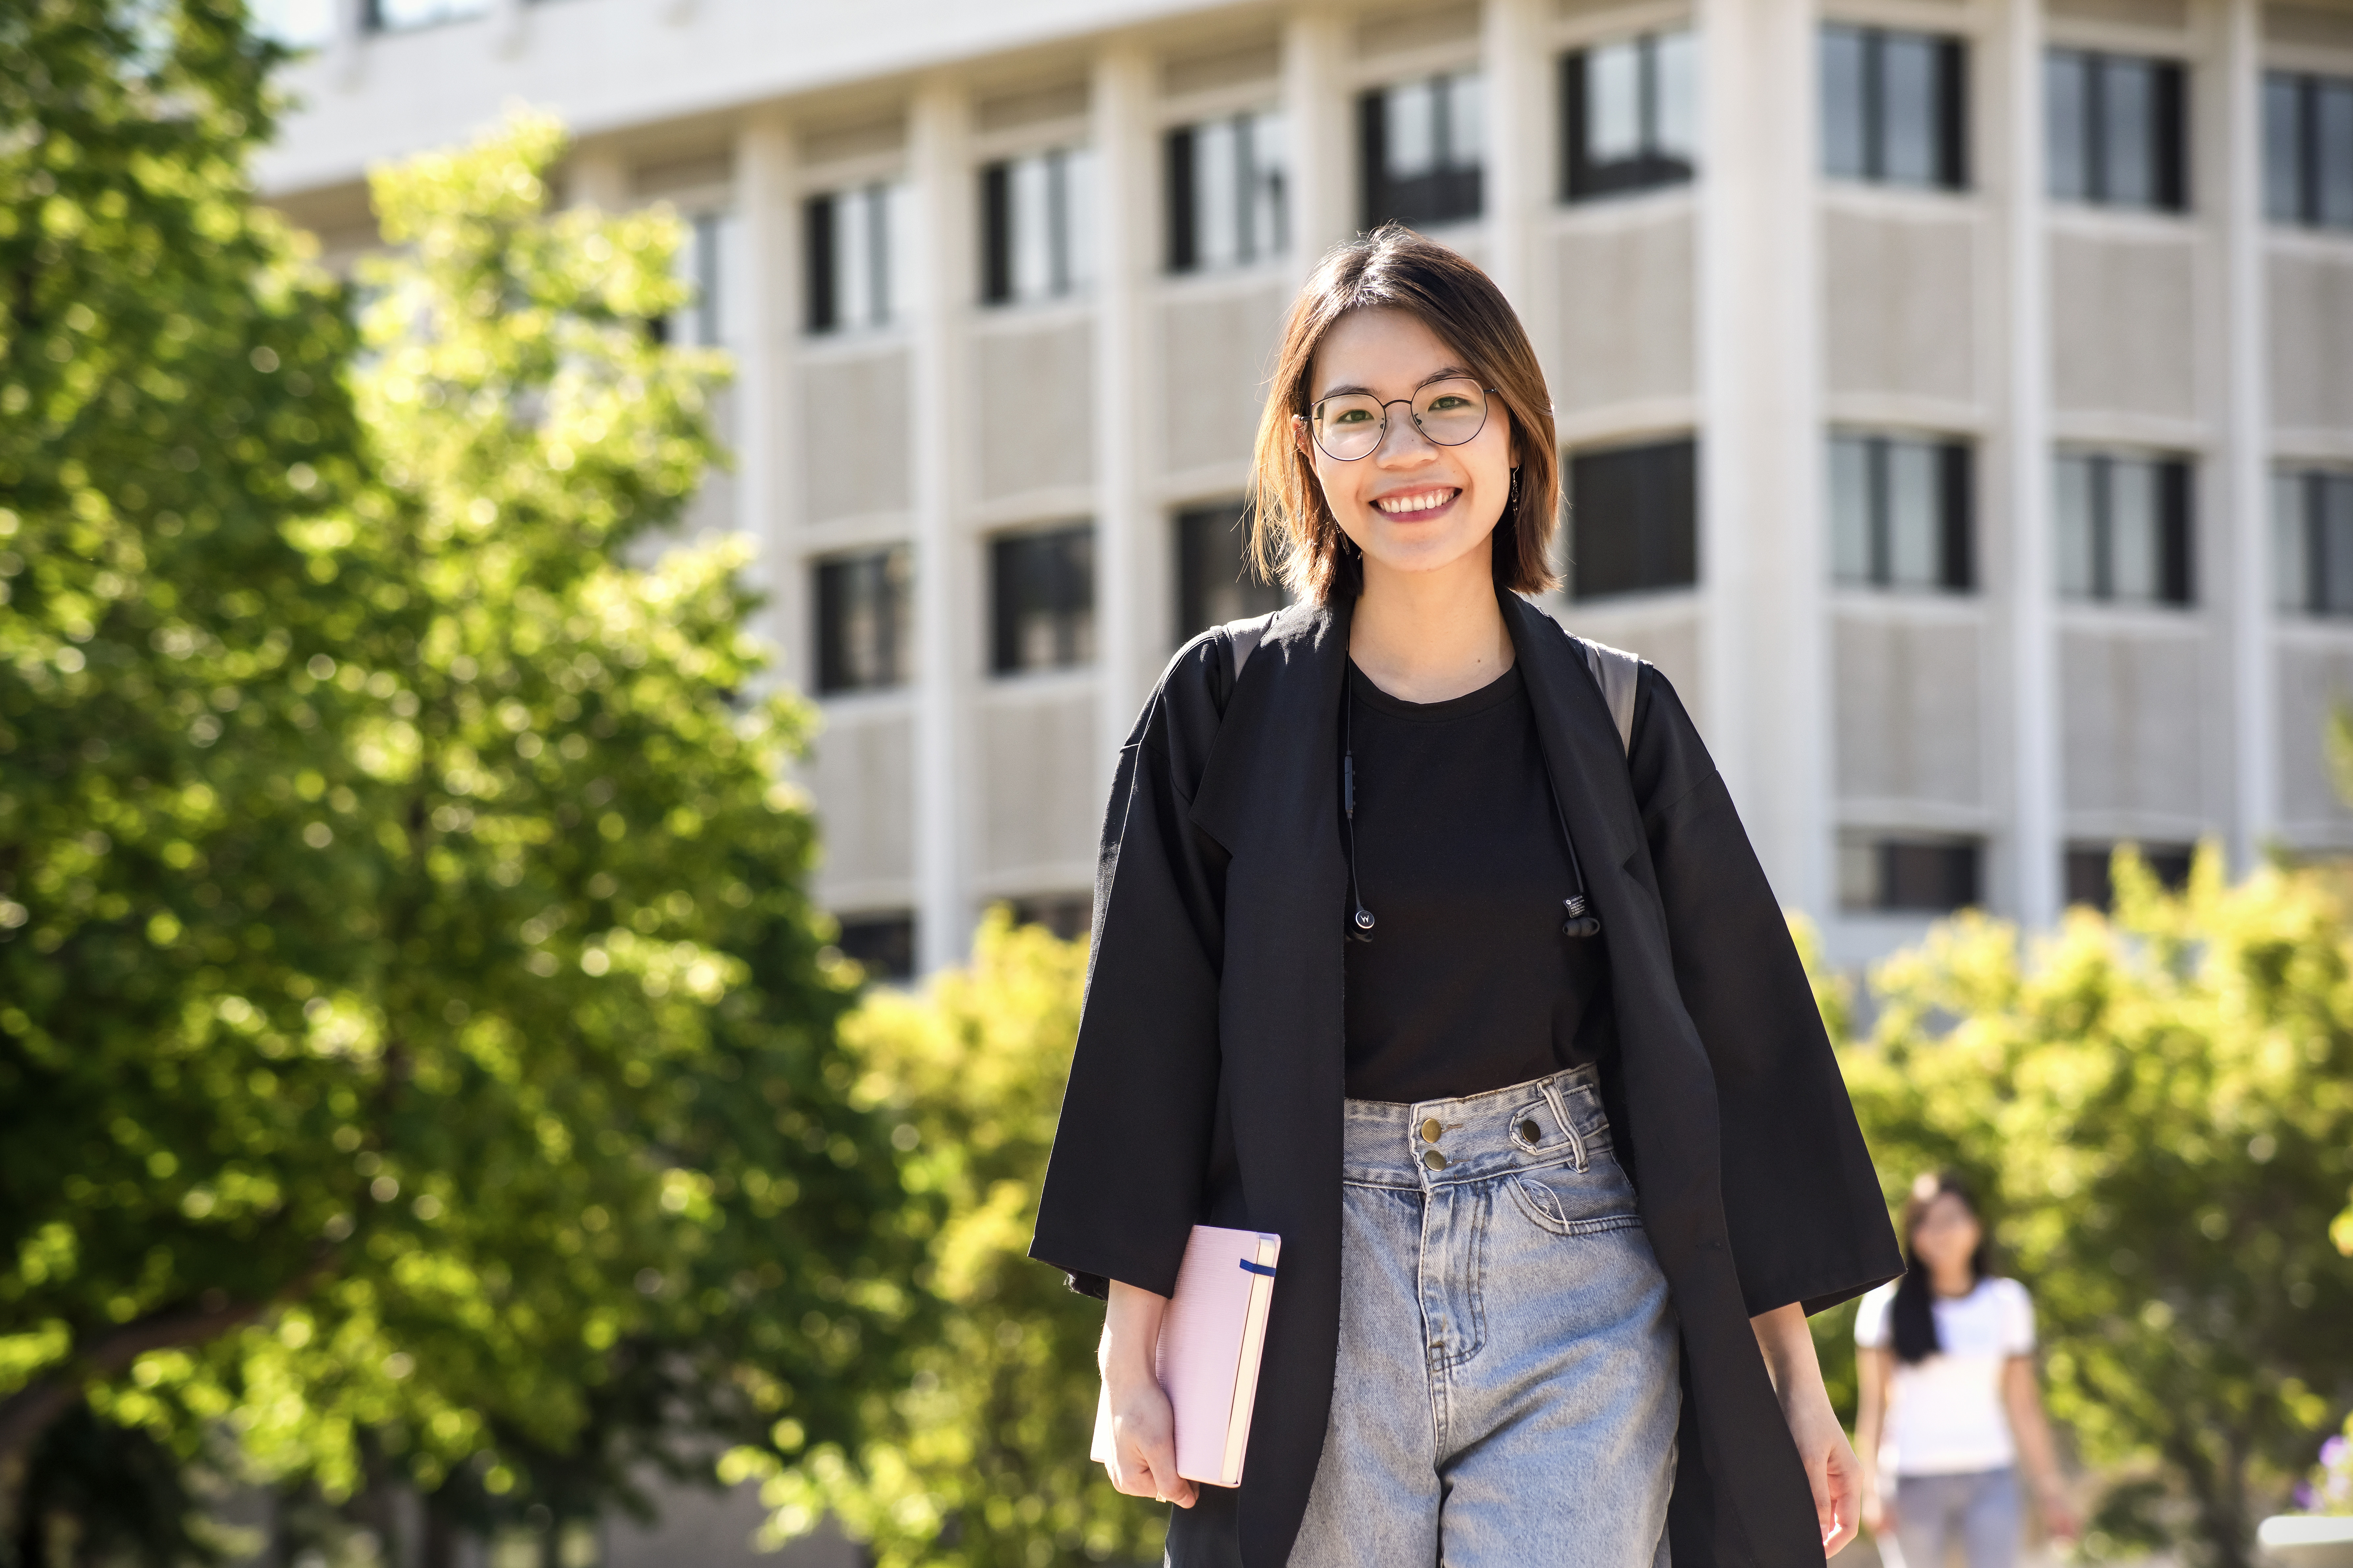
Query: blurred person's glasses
x,y
1351,424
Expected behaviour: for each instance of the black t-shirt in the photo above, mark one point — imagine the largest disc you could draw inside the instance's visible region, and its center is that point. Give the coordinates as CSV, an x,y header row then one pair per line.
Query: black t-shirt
x,y
1468,983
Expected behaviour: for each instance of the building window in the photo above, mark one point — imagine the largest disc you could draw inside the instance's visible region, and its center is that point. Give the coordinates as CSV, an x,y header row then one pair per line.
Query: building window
x,y
1069,916
402,16
1894,107
1216,580
2088,881
2312,543
855,239
1037,226
2308,150
296,23
2116,127
1634,519
1630,108
865,626
883,944
1905,875
1422,147
1900,513
1226,193
2124,529
700,264
1042,591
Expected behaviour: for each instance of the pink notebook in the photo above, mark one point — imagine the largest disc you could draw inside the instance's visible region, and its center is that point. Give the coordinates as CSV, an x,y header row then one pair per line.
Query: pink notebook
x,y
1210,1341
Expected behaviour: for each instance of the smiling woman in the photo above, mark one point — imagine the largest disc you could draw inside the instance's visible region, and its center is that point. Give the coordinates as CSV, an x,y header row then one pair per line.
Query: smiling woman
x,y
1412,950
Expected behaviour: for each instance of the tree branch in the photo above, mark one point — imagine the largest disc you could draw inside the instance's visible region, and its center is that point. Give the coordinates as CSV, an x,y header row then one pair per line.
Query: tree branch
x,y
26,1413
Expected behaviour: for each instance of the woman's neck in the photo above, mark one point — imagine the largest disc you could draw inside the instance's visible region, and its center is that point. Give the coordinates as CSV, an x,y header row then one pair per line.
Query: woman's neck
x,y
1427,637
1953,1282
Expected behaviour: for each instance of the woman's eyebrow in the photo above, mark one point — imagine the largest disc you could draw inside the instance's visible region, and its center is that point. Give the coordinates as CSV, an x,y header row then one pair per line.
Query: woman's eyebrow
x,y
1444,373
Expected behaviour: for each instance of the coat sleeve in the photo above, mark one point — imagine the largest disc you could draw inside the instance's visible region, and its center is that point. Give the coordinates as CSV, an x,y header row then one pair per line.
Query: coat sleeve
x,y
1802,1204
1125,1185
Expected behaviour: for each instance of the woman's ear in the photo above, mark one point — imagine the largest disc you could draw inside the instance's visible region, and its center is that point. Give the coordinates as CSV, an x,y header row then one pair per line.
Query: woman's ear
x,y
1299,436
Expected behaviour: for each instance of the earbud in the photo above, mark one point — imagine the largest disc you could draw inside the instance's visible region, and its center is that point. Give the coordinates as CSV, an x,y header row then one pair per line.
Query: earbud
x,y
1578,923
1362,923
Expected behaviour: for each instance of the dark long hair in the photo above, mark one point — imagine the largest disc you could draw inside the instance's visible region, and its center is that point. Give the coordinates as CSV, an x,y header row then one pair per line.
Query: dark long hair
x,y
1911,1318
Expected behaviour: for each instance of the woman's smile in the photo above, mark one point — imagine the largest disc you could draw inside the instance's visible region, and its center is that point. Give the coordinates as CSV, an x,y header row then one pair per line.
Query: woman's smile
x,y
1418,505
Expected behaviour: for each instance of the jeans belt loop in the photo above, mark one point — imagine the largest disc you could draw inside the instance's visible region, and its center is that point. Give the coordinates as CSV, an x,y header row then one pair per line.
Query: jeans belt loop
x,y
1559,1110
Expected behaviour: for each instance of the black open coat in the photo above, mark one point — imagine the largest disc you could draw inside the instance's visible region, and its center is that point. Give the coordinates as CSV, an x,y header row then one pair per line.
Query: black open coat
x,y
1208,1079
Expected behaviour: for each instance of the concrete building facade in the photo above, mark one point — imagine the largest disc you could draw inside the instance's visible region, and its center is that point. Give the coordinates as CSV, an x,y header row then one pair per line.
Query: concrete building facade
x,y
1958,394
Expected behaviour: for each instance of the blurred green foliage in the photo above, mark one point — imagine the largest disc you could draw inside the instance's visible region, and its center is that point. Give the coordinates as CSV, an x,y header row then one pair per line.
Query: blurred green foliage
x,y
2158,1111
417,1056
980,1457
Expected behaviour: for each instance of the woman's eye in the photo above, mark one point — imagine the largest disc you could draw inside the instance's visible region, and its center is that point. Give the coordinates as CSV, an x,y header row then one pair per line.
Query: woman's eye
x,y
1449,403
1348,417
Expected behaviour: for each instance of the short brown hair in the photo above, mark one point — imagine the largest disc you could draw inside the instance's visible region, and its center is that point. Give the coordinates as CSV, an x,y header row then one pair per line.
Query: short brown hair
x,y
1292,531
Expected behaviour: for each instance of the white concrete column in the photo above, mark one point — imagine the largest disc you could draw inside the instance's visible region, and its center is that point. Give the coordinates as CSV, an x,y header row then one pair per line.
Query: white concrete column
x,y
347,47
1517,160
1762,561
767,429
2247,443
1126,527
2037,816
946,584
1316,120
510,26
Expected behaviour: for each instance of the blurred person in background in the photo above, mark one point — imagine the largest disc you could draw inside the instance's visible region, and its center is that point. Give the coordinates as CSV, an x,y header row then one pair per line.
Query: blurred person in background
x,y
1949,1406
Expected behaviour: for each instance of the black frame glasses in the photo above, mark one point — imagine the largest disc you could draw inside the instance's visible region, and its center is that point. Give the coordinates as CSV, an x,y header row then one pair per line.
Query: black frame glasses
x,y
1415,410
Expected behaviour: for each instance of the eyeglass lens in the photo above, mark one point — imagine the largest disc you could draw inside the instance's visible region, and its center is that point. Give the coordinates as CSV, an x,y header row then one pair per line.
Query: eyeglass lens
x,y
1447,413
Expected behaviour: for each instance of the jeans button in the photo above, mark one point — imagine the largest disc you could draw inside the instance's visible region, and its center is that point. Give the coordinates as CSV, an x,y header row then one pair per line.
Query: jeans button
x,y
1433,1159
1531,1133
1430,1131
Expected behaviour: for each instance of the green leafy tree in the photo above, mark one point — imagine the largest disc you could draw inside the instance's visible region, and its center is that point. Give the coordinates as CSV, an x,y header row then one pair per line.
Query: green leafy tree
x,y
417,1052
2159,1109
981,1456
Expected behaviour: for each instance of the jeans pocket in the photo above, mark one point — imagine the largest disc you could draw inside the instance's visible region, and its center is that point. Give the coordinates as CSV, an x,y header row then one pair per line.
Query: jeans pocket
x,y
1568,1202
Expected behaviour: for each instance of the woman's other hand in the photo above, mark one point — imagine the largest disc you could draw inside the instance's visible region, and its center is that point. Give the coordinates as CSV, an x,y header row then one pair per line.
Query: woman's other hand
x,y
1830,1467
1876,1514
1143,1426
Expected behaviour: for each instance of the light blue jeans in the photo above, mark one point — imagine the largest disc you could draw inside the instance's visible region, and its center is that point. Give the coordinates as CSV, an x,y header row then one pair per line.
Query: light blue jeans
x,y
1508,1387
1981,1508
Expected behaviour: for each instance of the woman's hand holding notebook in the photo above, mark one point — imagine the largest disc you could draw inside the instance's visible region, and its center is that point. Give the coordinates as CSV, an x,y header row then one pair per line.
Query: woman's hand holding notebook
x,y
1211,1338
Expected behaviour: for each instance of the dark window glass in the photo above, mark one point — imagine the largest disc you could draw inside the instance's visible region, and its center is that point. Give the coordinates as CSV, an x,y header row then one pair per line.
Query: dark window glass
x,y
884,943
864,625
1895,106
1226,193
1900,513
1216,580
2124,532
1067,915
2312,530
2308,150
1907,875
1036,217
852,238
1634,519
1423,144
1042,588
2089,882
2117,128
1629,111
403,15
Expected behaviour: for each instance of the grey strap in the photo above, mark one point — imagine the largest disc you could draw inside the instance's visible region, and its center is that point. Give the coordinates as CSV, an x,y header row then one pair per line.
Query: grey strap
x,y
1618,673
1243,638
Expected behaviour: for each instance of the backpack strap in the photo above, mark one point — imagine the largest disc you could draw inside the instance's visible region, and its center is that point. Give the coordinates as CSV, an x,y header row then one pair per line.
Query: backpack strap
x,y
1618,673
1242,638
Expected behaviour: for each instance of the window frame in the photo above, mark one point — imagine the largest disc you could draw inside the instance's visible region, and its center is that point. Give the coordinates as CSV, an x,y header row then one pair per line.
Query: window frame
x,y
2311,171
833,663
1074,632
1951,127
1070,269
1652,168
1196,608
1460,190
1888,849
1182,256
2176,546
2169,130
1956,544
1675,566
2320,527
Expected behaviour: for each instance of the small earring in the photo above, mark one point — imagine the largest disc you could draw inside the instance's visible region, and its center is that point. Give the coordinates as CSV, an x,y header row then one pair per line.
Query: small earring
x,y
1512,501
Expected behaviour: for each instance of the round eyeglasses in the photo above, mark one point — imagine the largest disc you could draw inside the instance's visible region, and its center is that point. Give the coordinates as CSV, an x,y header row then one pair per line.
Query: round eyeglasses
x,y
1352,425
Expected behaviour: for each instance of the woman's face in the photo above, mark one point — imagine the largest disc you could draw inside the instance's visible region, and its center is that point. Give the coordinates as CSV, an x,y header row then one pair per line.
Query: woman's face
x,y
1946,1233
1410,505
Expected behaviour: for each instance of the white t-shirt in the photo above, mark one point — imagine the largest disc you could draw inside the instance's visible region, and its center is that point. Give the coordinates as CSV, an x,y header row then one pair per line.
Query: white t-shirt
x,y
1944,1415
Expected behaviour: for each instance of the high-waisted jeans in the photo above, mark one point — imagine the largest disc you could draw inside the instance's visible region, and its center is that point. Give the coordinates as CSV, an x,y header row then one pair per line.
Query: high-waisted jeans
x,y
1508,1386
1980,1508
